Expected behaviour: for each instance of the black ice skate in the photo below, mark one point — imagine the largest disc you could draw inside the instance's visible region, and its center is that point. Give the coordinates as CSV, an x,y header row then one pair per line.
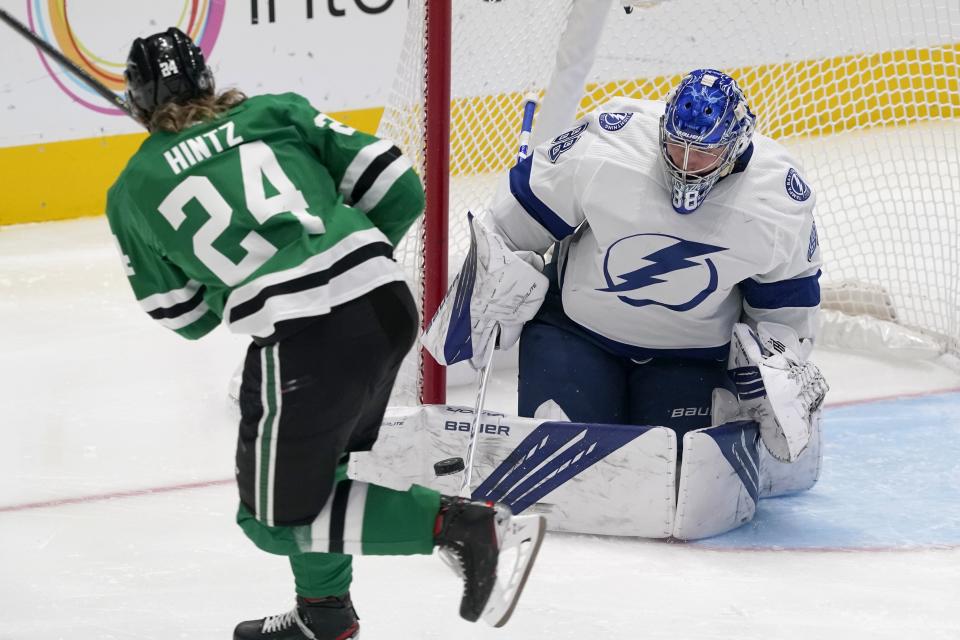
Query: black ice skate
x,y
474,537
331,618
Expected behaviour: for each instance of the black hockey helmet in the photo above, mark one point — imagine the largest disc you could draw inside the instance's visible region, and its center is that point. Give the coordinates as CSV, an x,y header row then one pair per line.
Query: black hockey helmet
x,y
165,67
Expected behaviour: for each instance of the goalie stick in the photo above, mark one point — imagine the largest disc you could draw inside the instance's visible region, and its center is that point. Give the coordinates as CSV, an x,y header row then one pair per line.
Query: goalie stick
x,y
66,62
455,465
475,426
530,102
529,109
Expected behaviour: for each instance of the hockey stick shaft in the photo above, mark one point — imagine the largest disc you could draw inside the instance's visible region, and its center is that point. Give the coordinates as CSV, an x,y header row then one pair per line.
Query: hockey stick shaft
x,y
529,109
477,420
64,61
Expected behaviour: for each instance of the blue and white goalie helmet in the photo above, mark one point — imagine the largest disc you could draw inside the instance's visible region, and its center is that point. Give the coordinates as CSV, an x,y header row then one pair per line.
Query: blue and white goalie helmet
x,y
706,126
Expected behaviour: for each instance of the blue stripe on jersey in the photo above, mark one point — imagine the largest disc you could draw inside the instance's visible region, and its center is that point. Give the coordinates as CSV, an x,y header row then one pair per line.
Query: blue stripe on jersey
x,y
799,292
534,206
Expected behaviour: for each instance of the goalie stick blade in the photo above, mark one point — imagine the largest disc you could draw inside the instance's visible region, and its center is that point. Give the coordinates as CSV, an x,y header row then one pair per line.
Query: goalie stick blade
x,y
522,540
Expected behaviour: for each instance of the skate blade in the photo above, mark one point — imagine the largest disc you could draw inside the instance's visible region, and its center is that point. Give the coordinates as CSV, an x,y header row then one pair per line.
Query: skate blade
x,y
523,538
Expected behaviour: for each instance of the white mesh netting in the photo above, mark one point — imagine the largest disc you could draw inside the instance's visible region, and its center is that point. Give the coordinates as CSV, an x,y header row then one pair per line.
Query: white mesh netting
x,y
865,92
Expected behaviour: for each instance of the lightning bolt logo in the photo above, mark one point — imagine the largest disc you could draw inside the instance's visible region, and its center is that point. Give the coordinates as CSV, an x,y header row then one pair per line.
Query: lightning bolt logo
x,y
669,259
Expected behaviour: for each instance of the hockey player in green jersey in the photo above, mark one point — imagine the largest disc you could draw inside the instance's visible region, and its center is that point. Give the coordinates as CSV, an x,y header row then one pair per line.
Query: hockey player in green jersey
x,y
273,218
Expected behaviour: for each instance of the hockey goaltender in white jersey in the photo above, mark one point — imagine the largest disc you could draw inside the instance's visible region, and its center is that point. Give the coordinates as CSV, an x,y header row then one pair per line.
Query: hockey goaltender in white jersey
x,y
681,293
651,281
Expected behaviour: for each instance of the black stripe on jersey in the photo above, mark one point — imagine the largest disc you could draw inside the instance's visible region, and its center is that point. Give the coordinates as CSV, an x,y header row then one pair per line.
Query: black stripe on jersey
x,y
372,172
312,280
179,309
338,515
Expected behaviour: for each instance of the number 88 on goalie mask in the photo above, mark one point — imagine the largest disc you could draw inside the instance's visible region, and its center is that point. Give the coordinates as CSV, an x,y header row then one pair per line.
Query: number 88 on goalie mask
x,y
707,125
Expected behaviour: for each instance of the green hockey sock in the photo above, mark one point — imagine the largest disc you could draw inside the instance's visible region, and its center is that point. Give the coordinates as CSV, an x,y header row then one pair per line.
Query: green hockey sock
x,y
318,575
358,518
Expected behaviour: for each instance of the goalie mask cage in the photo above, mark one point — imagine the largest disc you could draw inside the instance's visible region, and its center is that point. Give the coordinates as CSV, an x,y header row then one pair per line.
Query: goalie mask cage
x,y
865,93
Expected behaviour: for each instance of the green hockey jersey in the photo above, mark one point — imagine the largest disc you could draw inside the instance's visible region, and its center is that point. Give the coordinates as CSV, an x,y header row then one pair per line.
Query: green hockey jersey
x,y
271,212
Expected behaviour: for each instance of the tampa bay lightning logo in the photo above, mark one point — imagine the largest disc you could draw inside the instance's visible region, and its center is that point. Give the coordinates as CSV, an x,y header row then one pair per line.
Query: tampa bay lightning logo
x,y
614,121
565,141
670,278
796,187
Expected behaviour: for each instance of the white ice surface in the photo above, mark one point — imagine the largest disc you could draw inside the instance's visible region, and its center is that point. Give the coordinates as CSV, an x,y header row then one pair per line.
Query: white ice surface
x,y
100,400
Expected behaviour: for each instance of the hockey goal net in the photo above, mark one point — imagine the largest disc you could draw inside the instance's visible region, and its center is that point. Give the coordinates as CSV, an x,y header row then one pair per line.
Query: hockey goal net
x,y
866,93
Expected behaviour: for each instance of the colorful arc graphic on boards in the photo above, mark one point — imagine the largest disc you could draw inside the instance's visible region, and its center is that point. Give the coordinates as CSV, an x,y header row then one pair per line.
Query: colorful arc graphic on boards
x,y
200,19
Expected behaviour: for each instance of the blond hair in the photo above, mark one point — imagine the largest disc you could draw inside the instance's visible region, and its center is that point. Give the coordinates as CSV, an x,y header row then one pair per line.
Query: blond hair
x,y
174,117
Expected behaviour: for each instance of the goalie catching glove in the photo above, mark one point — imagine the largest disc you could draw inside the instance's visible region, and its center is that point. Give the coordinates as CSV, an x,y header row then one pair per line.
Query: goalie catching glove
x,y
777,386
496,287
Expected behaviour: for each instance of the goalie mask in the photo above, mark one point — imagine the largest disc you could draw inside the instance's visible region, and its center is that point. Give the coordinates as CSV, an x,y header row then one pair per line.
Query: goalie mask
x,y
707,125
165,67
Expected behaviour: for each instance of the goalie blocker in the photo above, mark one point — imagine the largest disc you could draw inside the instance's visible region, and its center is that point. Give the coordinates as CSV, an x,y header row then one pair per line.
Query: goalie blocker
x,y
595,478
496,289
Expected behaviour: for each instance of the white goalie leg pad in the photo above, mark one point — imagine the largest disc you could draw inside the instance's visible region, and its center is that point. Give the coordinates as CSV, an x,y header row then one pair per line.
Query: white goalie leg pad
x,y
776,385
719,480
397,459
585,478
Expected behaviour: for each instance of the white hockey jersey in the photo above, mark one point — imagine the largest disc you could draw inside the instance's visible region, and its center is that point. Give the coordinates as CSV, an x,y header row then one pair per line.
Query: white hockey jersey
x,y
644,279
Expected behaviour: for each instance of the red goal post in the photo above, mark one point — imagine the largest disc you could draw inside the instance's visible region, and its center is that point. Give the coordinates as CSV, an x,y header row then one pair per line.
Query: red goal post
x,y
436,177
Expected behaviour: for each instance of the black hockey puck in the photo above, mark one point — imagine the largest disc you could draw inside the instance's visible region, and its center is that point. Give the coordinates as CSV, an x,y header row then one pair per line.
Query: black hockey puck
x,y
448,467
